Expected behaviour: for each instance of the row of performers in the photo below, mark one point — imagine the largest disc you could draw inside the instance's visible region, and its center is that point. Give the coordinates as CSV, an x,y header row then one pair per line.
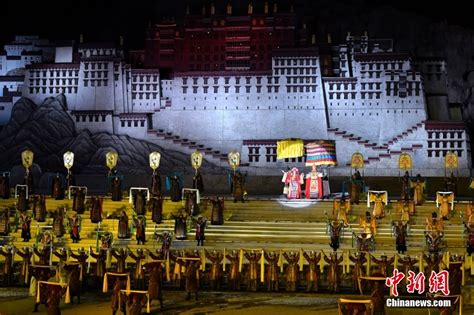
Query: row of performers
x,y
174,185
250,267
74,222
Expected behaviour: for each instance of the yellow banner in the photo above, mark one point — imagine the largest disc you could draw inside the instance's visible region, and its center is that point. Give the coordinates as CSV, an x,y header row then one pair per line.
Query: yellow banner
x,y
357,160
290,149
451,160
405,162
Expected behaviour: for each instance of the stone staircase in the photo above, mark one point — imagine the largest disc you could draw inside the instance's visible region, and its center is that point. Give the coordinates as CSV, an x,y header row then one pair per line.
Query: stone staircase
x,y
165,102
175,142
381,151
262,223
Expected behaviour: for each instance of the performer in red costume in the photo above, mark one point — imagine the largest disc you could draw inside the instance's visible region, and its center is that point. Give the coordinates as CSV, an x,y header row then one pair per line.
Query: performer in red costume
x,y
314,184
293,180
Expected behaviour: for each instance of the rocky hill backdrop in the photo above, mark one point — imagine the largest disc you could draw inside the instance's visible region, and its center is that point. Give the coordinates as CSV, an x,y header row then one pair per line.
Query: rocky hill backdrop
x,y
49,132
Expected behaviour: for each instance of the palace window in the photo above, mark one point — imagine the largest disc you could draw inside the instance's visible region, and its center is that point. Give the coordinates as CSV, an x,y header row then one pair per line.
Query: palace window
x,y
271,155
254,154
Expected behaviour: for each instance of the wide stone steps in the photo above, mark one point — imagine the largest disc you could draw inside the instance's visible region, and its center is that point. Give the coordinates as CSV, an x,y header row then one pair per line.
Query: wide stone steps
x,y
269,223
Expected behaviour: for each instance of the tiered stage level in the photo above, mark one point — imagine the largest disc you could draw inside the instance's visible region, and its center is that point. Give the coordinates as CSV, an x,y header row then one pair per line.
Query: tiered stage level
x,y
268,223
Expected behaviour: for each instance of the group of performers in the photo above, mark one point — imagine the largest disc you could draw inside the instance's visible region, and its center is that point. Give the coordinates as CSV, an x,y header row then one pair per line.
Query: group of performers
x,y
412,195
255,269
315,183
251,270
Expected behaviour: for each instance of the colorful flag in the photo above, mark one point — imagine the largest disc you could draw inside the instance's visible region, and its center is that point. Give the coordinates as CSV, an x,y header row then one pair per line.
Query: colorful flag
x,y
322,153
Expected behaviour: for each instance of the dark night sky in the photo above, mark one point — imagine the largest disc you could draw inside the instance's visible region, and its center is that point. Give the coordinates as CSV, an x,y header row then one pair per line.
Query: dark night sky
x,y
108,19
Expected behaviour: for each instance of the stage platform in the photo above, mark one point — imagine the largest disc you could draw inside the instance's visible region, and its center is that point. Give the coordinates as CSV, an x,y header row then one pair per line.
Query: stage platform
x,y
264,222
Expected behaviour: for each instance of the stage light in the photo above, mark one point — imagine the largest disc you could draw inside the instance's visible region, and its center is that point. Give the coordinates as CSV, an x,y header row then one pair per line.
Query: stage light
x,y
297,203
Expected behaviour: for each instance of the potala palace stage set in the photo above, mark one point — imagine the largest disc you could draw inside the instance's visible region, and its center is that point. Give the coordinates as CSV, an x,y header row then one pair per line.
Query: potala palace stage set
x,y
235,152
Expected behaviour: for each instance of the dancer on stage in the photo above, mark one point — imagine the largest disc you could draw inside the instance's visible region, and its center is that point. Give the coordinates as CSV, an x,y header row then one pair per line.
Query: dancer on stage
x,y
215,274
293,180
358,270
25,265
201,225
333,275
292,271
140,226
312,274
383,264
7,265
234,274
418,185
192,278
75,228
252,272
272,271
5,221
314,184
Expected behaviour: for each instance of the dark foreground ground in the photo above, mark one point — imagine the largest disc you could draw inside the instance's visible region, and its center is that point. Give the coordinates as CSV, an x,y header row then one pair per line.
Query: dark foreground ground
x,y
215,303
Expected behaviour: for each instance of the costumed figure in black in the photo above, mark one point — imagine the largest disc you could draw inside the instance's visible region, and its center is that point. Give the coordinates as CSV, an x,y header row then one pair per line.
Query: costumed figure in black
x,y
180,226
57,189
123,225
217,214
198,182
237,186
39,208
5,185
139,201
155,206
79,196
5,221
156,183
22,200
96,209
174,185
116,186
357,185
